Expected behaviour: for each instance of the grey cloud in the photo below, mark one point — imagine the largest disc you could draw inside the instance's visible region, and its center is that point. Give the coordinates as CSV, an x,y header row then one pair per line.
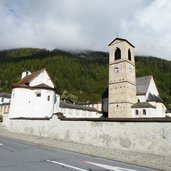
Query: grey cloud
x,y
77,24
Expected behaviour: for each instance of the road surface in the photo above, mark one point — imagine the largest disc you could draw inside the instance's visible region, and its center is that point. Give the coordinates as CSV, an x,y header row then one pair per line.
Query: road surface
x,y
18,155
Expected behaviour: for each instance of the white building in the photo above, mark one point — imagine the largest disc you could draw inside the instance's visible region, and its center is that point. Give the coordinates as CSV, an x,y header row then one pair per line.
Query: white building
x,y
78,111
149,103
34,96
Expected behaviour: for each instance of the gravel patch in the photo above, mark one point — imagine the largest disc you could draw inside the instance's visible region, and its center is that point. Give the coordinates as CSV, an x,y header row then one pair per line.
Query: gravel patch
x,y
141,159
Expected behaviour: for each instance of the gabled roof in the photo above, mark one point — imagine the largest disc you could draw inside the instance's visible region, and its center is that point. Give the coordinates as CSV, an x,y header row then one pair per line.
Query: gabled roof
x,y
154,98
142,84
29,78
24,83
122,40
143,105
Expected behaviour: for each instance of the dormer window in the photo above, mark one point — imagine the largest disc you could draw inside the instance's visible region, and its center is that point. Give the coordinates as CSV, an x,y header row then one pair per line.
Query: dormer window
x,y
117,54
129,55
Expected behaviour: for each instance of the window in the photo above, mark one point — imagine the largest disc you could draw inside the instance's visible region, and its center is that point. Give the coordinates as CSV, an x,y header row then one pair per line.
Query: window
x,y
48,98
138,100
38,95
136,112
117,54
129,55
144,112
2,100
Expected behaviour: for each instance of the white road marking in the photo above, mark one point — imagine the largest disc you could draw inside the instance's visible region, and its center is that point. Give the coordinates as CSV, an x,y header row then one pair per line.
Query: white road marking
x,y
1,144
66,165
112,168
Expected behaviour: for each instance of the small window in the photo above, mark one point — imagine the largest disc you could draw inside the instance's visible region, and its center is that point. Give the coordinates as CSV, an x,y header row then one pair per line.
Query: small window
x,y
2,100
144,112
48,98
38,95
136,112
138,100
117,54
129,55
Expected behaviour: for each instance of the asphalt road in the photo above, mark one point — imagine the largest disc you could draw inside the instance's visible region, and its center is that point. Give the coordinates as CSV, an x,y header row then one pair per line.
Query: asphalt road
x,y
18,155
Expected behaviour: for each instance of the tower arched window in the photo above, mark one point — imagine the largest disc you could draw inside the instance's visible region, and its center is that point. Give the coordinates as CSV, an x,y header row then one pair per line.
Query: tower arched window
x,y
129,55
117,54
136,112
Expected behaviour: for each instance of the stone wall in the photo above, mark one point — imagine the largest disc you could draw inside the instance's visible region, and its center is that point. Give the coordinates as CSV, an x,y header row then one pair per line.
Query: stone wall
x,y
143,137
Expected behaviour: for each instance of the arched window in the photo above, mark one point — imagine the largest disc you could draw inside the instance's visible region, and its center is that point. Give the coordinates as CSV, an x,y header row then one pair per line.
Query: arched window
x,y
129,54
138,100
144,112
117,54
136,112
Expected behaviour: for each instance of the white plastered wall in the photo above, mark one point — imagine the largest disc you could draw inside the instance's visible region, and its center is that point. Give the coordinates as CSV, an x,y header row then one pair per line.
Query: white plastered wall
x,y
26,103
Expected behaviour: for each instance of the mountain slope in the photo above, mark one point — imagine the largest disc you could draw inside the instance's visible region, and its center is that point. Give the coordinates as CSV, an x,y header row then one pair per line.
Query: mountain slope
x,y
83,74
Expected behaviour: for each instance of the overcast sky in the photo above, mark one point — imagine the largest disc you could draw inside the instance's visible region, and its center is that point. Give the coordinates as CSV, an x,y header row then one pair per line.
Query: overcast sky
x,y
87,24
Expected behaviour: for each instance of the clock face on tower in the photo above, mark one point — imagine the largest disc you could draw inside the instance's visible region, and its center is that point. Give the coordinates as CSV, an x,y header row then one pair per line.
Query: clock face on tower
x,y
117,68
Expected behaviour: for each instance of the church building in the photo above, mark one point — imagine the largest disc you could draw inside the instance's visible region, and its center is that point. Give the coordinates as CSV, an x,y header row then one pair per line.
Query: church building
x,y
126,95
34,96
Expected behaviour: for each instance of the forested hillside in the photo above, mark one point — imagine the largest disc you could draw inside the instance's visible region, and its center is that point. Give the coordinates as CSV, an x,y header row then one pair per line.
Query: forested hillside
x,y
80,76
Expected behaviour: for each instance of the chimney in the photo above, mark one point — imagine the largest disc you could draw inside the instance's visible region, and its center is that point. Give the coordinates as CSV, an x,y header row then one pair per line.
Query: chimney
x,y
25,73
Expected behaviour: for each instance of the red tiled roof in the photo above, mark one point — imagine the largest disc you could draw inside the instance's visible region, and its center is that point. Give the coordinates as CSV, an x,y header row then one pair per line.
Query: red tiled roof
x,y
28,78
24,83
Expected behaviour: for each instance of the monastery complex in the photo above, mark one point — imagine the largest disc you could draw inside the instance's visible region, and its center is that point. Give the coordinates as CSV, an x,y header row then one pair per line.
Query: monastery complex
x,y
35,95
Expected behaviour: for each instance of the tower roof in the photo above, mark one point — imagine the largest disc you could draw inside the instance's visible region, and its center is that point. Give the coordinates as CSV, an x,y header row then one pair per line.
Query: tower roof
x,y
121,39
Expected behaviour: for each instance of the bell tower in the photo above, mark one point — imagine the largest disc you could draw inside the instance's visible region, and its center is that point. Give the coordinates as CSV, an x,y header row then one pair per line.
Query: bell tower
x,y
122,81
